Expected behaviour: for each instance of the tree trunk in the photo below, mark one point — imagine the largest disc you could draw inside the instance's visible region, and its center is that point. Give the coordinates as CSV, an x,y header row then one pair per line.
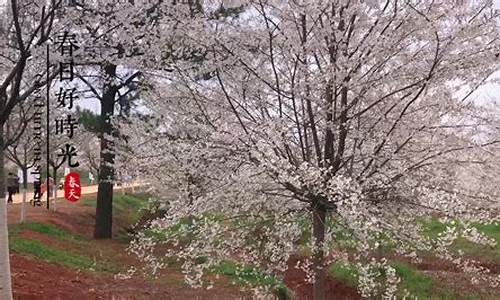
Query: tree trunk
x,y
5,282
104,210
319,217
25,191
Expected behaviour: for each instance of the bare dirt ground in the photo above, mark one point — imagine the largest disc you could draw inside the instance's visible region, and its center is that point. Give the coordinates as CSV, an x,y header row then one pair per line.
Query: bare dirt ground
x,y
35,279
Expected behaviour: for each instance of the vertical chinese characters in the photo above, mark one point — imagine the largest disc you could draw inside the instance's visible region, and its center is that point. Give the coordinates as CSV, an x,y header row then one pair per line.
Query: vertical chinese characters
x,y
66,44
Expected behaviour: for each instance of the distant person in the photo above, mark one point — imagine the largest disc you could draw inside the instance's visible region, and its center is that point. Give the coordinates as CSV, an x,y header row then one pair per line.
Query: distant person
x,y
12,186
37,192
91,178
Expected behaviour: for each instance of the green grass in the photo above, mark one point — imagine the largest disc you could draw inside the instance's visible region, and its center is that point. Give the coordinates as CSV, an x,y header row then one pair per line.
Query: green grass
x,y
416,283
129,204
413,281
128,207
74,254
432,229
343,238
345,273
45,253
491,230
419,285
46,229
249,275
184,231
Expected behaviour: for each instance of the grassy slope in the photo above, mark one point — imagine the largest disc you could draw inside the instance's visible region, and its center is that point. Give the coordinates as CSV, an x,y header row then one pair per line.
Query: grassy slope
x,y
242,275
67,257
420,285
413,282
417,283
250,276
74,254
433,228
124,204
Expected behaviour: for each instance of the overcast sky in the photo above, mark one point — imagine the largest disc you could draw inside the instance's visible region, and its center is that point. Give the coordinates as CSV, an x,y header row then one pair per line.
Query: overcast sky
x,y
490,91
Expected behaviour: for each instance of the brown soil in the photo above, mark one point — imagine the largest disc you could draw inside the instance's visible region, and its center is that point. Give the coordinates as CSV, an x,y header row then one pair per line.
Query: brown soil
x,y
304,290
38,280
34,279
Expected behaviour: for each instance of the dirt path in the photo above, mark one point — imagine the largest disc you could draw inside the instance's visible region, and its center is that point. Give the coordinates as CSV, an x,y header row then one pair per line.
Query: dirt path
x,y
86,190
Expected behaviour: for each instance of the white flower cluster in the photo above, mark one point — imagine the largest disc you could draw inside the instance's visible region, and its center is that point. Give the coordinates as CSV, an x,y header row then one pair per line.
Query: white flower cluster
x,y
378,278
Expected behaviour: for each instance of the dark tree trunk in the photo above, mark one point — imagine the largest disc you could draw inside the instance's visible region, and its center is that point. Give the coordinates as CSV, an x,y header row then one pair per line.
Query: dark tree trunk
x,y
25,178
104,210
25,191
319,217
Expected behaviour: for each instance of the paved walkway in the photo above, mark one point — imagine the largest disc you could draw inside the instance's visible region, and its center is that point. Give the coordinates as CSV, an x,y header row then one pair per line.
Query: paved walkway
x,y
91,189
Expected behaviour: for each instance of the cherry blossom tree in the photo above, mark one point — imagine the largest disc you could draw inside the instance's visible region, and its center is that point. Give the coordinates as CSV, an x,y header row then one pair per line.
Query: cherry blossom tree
x,y
20,151
126,39
337,112
123,39
25,27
